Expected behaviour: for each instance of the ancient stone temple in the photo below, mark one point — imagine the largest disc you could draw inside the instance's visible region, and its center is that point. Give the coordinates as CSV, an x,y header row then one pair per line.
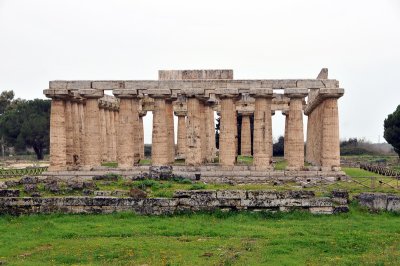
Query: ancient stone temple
x,y
89,127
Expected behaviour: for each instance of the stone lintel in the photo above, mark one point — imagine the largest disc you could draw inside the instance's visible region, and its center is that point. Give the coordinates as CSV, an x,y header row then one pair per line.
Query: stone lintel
x,y
159,93
296,92
70,84
192,92
125,93
91,93
322,95
245,112
108,84
58,93
261,92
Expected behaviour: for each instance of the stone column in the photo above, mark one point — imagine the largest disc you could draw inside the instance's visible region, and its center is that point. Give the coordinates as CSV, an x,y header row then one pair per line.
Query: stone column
x,y
115,122
169,114
330,134
203,131
246,134
128,121
103,131
76,133
228,129
58,139
262,137
193,133
160,153
108,113
210,131
141,134
69,132
295,133
286,114
92,149
81,109
181,145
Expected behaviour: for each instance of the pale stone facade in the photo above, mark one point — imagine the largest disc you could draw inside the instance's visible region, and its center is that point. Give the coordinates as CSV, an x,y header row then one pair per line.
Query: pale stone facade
x,y
89,127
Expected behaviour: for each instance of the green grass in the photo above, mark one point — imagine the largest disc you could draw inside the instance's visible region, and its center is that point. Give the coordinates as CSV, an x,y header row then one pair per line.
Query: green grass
x,y
356,238
357,172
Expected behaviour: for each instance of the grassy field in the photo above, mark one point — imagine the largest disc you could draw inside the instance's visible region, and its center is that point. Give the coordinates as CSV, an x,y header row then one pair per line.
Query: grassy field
x,y
296,238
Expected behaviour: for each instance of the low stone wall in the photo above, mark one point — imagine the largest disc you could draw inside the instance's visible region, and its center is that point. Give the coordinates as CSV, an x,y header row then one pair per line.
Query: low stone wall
x,y
380,201
191,201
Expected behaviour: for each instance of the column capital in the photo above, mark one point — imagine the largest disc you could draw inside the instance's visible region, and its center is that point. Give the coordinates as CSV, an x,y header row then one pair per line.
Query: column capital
x,y
91,93
296,92
142,113
59,94
223,93
125,93
159,93
261,93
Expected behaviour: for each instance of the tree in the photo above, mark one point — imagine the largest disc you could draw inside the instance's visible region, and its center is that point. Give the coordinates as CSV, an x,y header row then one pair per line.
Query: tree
x,y
6,98
392,130
27,124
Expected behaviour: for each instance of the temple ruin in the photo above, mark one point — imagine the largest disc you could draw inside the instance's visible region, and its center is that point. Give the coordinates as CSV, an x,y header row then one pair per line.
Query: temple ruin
x,y
88,127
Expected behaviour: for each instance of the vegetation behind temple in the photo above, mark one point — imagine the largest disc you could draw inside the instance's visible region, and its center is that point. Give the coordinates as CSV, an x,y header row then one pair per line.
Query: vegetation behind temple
x,y
24,124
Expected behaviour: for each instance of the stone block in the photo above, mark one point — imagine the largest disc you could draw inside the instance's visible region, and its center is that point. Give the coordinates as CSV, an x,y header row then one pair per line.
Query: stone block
x,y
108,84
226,91
57,84
279,83
158,92
231,194
91,93
5,193
393,203
321,210
79,84
190,92
374,201
125,93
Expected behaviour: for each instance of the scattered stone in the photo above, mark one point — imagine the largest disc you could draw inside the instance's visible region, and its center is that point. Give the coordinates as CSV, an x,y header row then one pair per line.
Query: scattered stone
x,y
340,194
3,185
161,172
36,195
6,193
137,193
109,177
11,183
29,180
87,192
29,188
52,187
102,193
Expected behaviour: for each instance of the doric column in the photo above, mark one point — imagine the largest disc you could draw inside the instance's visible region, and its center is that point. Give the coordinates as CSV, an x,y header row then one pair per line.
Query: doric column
x,y
69,132
228,126
103,131
141,134
159,146
330,134
286,114
193,133
246,134
92,149
76,132
128,122
169,114
295,133
210,130
181,145
262,136
81,109
115,122
108,112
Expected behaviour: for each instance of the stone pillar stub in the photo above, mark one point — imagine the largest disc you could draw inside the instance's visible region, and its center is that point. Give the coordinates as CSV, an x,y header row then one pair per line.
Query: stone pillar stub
x,y
295,132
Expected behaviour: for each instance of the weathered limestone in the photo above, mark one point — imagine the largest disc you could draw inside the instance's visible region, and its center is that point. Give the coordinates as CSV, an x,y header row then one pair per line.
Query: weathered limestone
x,y
295,134
262,136
169,114
194,140
286,114
160,154
141,134
117,127
92,149
58,138
128,123
246,134
228,130
181,143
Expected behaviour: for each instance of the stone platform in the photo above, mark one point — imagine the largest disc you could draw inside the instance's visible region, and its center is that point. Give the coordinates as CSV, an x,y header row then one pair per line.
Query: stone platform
x,y
182,201
209,174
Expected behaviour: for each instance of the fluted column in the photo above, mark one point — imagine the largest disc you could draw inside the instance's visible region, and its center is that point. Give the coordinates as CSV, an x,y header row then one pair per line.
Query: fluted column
x,y
81,109
76,133
262,136
210,132
69,132
169,114
246,134
103,133
128,123
109,133
228,127
141,134
115,122
160,153
58,140
330,134
181,145
286,114
193,133
295,134
92,149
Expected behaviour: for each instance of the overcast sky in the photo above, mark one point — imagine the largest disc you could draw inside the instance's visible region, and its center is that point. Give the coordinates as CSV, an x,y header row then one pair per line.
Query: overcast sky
x,y
358,40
